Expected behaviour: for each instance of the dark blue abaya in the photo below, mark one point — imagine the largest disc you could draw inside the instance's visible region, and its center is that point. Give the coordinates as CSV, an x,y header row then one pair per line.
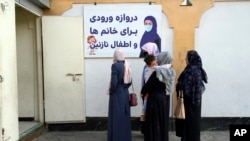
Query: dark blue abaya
x,y
119,123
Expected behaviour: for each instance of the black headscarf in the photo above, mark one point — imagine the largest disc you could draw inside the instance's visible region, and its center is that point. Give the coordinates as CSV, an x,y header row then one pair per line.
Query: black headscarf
x,y
195,59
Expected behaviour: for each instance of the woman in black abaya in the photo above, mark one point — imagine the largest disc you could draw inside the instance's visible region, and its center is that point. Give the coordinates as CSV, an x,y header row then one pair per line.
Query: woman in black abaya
x,y
191,83
159,87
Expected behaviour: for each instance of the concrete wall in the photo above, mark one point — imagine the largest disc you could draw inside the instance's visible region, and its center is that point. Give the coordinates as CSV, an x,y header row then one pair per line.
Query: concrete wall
x,y
9,72
223,41
96,83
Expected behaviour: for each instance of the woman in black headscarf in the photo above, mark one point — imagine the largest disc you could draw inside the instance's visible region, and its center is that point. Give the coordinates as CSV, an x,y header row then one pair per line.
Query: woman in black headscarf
x,y
159,87
191,83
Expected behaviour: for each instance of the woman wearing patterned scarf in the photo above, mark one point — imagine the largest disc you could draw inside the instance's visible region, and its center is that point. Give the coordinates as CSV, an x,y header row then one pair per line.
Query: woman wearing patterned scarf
x,y
191,83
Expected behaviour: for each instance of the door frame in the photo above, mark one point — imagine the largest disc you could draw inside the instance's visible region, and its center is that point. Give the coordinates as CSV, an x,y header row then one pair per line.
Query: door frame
x,y
39,109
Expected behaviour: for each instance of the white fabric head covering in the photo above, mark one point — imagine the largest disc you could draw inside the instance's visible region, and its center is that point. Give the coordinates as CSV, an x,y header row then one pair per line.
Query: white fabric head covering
x,y
151,48
127,73
119,55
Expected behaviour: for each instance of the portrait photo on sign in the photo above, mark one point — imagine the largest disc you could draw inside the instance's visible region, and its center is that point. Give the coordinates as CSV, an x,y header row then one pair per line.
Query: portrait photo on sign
x,y
107,27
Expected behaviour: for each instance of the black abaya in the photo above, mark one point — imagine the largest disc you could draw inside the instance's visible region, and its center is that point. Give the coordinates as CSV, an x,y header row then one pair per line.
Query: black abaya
x,y
157,111
191,128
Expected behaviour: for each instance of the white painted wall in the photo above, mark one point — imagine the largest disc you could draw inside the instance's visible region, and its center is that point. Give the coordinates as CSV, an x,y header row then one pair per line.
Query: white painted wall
x,y
8,69
223,41
1,90
98,71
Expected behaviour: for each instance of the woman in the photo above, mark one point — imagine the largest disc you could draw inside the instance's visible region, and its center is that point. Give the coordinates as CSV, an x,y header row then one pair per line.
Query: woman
x,y
148,49
191,84
119,124
159,87
150,34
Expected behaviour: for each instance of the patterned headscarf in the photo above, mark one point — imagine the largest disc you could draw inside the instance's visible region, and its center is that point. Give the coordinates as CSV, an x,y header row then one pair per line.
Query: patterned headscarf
x,y
191,79
195,59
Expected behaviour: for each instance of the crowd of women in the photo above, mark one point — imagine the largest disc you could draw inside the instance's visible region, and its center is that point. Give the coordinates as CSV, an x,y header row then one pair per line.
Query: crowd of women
x,y
158,83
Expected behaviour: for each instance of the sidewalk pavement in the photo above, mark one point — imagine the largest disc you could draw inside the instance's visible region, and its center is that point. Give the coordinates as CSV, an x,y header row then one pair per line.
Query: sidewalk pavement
x,y
136,136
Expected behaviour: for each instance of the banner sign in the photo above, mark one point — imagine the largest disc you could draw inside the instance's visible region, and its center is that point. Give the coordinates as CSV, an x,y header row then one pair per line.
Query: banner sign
x,y
107,27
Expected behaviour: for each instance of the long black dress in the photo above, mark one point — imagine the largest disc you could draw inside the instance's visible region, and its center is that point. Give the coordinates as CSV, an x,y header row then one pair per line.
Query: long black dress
x,y
190,82
192,122
157,111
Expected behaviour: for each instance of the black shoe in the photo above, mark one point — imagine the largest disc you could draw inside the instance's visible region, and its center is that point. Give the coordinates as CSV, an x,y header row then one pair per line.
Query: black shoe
x,y
142,127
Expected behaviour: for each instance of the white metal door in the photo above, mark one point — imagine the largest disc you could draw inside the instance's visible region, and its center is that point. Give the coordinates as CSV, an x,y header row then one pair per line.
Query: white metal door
x,y
63,69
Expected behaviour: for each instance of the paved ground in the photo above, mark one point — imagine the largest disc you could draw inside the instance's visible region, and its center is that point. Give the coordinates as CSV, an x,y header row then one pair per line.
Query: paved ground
x,y
137,136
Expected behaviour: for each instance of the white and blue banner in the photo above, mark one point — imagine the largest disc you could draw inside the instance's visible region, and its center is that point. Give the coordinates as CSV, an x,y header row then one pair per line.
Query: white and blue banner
x,y
107,27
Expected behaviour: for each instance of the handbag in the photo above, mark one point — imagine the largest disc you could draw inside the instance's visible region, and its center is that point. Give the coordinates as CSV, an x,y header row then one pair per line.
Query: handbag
x,y
133,97
179,112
